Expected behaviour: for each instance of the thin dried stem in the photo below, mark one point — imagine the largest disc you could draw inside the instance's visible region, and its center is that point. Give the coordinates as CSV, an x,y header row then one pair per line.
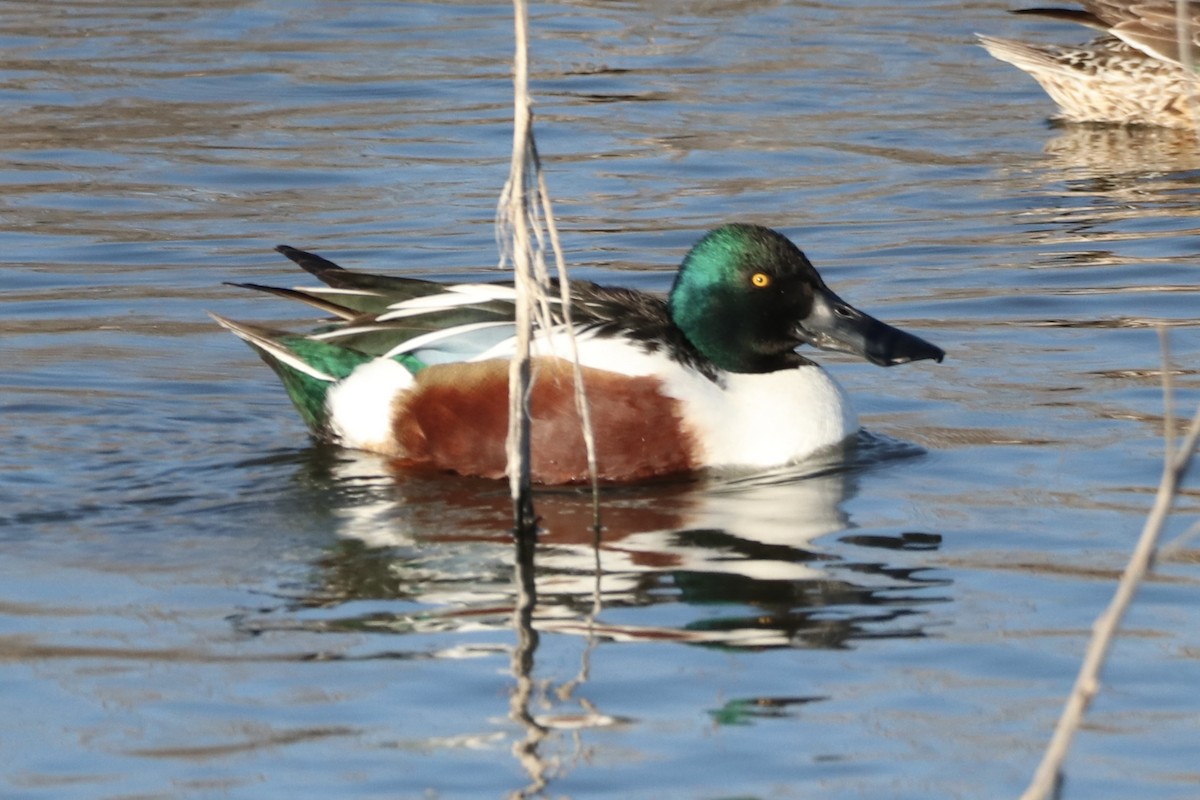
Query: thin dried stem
x,y
564,289
524,208
514,207
1168,388
1104,629
1176,546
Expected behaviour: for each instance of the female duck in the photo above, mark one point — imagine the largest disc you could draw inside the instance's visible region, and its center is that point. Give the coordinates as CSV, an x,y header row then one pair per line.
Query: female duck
x,y
1132,74
709,376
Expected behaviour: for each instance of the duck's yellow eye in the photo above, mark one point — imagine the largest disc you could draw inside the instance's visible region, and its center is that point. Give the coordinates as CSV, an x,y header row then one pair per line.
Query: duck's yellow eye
x,y
761,280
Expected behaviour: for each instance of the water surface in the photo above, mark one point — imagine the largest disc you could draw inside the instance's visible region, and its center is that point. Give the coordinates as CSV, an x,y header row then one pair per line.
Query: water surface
x,y
196,601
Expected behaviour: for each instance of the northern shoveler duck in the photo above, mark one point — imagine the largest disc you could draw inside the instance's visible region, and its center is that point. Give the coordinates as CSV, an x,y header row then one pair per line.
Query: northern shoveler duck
x,y
1132,74
708,376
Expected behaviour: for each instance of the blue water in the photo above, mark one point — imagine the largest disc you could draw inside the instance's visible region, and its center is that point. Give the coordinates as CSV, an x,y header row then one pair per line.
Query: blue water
x,y
196,601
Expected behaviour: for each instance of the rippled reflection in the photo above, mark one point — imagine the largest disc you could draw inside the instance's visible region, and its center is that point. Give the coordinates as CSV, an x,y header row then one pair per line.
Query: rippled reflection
x,y
740,558
741,562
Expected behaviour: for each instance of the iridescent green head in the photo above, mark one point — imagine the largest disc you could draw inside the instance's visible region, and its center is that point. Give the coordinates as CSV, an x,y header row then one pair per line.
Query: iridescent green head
x,y
746,298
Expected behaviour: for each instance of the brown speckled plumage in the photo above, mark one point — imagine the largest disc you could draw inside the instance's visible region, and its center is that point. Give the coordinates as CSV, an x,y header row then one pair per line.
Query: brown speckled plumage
x,y
1132,74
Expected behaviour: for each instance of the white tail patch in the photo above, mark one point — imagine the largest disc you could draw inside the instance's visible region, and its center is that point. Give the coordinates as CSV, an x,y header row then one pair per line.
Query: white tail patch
x,y
360,406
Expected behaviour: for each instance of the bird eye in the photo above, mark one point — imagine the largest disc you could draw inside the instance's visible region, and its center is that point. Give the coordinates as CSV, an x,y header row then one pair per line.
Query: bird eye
x,y
760,280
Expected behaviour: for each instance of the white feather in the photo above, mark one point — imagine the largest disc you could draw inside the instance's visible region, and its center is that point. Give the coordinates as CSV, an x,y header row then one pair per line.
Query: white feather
x,y
465,294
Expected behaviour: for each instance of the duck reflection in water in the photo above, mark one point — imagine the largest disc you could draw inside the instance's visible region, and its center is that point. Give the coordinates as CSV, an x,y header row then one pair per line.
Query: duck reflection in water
x,y
747,562
746,542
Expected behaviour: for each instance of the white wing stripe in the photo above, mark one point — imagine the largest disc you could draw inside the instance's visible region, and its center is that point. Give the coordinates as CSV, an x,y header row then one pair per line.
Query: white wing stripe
x,y
322,290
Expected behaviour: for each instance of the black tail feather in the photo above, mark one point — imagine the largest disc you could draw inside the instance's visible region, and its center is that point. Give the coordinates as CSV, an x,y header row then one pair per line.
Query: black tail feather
x,y
304,297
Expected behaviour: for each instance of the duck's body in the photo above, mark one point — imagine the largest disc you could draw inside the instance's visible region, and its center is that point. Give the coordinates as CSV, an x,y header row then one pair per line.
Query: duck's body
x,y
1132,74
418,371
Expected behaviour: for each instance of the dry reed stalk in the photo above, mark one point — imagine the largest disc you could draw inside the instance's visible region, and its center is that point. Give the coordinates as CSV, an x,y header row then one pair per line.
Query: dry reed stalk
x,y
1176,461
516,216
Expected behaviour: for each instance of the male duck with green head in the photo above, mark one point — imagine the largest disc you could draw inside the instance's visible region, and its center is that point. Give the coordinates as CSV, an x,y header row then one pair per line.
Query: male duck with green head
x,y
708,377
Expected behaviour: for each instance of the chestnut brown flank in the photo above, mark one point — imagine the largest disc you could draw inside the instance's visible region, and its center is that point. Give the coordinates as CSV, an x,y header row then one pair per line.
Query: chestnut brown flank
x,y
456,418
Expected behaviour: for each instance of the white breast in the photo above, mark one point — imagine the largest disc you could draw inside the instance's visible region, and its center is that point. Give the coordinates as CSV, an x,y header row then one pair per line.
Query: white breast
x,y
765,420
